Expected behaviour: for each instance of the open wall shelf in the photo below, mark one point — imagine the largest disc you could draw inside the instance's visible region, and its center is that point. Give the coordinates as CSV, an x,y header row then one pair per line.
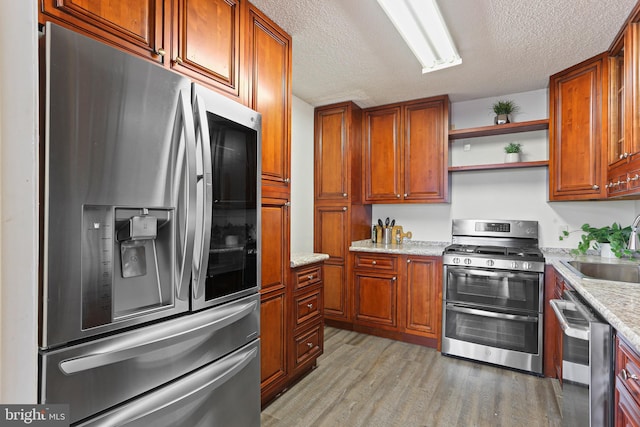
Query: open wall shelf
x,y
499,129
538,163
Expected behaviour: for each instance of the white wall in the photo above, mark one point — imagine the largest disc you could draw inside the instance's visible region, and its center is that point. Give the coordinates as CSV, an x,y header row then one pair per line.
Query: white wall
x,y
301,177
18,202
499,194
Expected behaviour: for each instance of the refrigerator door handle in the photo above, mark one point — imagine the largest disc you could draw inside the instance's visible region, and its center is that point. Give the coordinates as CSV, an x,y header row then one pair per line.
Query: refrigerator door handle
x,y
137,344
208,379
185,192
203,222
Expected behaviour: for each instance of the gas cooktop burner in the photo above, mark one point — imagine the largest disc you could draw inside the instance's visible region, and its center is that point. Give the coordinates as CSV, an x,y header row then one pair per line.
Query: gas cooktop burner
x,y
498,251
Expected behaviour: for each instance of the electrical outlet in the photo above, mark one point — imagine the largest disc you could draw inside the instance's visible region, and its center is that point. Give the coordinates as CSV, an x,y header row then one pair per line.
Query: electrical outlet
x,y
466,147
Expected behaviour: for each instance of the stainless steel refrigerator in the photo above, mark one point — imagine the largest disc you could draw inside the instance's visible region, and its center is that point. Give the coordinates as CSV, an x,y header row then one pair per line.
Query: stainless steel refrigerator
x,y
150,242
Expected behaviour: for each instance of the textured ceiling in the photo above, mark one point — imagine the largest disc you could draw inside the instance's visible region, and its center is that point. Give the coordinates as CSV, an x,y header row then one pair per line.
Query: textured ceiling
x,y
349,50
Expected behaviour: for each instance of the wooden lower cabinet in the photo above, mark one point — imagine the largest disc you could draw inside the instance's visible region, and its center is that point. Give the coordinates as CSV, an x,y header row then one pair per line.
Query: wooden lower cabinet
x,y
397,296
292,330
273,344
627,385
423,285
552,356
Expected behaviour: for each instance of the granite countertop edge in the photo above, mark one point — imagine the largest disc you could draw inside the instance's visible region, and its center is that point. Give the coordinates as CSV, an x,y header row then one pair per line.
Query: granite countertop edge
x,y
302,259
617,302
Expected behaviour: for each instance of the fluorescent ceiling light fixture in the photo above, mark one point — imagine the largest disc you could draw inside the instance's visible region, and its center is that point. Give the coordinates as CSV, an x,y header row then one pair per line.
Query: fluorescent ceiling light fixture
x,y
423,29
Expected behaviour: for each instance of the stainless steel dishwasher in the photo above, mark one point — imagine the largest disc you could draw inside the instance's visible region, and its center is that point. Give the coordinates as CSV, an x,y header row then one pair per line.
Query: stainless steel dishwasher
x,y
587,363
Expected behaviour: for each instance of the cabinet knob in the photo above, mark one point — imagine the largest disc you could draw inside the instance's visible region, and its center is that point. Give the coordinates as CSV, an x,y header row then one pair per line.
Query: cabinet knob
x,y
160,52
344,208
286,180
626,155
310,305
374,262
178,60
635,178
309,345
287,204
310,276
626,376
408,261
344,194
406,195
394,278
595,187
397,196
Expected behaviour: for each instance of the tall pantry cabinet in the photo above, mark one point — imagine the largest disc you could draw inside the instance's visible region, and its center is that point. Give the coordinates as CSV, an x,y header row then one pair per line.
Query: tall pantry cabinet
x,y
340,216
269,89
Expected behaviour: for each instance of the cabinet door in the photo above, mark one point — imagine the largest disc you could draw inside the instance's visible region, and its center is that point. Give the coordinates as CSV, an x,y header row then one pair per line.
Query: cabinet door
x,y
375,299
627,411
335,292
273,343
275,243
577,166
424,296
426,175
332,153
331,235
269,65
382,154
206,42
134,26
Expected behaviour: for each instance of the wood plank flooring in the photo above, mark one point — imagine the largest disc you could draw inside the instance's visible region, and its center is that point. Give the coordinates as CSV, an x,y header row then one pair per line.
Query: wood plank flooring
x,y
367,381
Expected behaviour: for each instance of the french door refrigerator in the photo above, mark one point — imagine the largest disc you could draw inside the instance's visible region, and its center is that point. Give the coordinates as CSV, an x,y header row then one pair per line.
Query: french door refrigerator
x,y
149,243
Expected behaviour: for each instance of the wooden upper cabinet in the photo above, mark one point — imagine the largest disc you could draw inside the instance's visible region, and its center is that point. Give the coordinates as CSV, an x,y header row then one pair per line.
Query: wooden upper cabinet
x,y
577,131
206,43
133,26
406,152
269,65
337,146
426,160
383,154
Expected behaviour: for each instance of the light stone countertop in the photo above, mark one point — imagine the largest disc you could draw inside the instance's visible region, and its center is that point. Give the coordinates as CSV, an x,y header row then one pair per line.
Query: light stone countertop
x,y
617,302
408,247
300,259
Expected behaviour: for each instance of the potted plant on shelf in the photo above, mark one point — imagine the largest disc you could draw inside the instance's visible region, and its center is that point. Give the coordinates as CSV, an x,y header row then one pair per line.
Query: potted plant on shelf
x,y
610,239
503,111
512,151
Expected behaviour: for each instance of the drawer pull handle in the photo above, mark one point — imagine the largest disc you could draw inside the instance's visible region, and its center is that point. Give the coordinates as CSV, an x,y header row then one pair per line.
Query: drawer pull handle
x,y
627,376
310,305
309,345
373,262
310,276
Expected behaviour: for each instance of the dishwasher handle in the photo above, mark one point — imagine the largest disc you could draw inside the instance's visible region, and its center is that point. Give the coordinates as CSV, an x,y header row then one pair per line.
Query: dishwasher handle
x,y
580,332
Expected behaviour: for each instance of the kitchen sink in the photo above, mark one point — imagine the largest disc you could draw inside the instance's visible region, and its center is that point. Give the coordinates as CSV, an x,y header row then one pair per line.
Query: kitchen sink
x,y
601,271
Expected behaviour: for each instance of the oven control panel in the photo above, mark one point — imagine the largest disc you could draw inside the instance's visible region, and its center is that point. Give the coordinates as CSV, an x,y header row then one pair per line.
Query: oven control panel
x,y
495,263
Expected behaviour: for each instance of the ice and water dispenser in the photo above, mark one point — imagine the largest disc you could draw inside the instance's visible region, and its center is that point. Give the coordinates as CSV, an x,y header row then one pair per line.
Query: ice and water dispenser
x,y
127,263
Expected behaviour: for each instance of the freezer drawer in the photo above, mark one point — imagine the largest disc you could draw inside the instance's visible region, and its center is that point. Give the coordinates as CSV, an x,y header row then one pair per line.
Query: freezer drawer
x,y
223,393
97,375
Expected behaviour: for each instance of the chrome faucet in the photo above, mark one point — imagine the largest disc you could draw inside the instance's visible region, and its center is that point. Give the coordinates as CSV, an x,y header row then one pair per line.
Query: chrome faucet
x,y
633,238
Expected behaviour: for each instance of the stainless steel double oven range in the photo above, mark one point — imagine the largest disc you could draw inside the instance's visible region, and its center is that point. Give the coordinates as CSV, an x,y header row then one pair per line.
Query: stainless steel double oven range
x,y
493,293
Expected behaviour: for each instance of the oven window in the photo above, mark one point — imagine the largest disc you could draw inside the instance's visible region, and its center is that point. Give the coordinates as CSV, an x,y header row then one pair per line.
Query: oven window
x,y
480,327
501,289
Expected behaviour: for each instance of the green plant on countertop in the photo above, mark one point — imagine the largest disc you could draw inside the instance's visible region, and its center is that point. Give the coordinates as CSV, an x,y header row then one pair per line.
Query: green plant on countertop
x,y
504,107
614,234
512,148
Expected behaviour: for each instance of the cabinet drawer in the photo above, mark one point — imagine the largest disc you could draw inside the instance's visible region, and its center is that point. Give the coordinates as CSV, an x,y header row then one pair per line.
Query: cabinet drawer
x,y
307,276
308,306
376,262
628,369
308,345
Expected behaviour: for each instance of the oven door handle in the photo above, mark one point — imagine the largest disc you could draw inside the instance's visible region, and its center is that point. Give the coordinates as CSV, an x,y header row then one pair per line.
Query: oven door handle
x,y
493,314
575,331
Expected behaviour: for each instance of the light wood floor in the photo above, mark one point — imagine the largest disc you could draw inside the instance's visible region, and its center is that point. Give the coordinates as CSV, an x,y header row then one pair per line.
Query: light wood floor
x,y
368,381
